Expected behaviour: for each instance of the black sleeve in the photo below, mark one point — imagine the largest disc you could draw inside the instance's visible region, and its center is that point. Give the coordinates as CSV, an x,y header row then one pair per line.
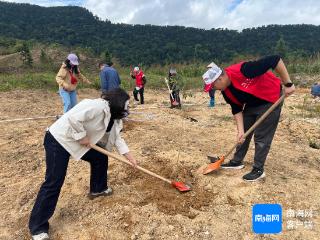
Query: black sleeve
x,y
253,69
133,77
234,107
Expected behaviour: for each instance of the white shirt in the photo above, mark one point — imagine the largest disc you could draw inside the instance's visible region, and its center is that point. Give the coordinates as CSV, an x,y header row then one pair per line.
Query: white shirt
x,y
90,117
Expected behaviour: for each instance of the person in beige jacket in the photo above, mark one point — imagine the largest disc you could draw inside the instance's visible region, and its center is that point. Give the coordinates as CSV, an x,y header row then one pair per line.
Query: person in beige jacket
x,y
67,79
91,121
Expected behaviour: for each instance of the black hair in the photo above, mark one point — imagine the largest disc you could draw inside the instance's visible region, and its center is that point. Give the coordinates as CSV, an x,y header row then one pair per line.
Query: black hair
x,y
117,99
69,66
110,64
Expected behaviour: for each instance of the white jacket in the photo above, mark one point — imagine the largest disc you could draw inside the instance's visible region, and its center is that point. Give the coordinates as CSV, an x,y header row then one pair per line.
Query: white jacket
x,y
90,117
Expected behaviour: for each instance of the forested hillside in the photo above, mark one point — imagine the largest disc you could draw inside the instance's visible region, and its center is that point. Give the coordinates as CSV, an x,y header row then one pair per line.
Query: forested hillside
x,y
148,44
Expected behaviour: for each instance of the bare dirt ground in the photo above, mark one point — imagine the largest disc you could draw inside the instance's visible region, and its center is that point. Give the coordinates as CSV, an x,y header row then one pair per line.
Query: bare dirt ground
x,y
172,143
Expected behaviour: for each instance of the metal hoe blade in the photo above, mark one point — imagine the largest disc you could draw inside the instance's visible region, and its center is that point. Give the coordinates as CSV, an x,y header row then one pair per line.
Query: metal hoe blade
x,y
213,166
213,159
182,187
175,103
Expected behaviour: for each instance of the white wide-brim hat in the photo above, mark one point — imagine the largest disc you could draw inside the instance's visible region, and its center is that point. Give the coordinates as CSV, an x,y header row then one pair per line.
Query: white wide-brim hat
x,y
210,76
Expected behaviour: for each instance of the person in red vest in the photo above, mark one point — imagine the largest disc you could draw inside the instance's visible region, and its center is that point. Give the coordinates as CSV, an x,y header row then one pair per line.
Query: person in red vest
x,y
141,80
250,88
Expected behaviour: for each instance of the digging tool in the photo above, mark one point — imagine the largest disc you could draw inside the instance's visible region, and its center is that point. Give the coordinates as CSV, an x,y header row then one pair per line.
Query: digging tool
x,y
174,102
31,118
148,117
217,161
182,187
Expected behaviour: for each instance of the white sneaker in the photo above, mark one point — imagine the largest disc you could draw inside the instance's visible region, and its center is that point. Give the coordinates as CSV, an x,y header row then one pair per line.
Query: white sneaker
x,y
106,192
40,236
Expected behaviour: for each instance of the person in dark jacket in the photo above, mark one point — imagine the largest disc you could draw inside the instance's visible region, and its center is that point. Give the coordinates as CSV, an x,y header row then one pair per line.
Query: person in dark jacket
x,y
109,77
250,88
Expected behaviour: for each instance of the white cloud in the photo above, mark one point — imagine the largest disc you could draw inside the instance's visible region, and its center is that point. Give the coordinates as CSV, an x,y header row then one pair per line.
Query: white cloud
x,y
232,14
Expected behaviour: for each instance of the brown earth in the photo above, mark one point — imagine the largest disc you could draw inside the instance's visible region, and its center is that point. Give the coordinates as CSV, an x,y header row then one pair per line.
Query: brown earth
x,y
174,144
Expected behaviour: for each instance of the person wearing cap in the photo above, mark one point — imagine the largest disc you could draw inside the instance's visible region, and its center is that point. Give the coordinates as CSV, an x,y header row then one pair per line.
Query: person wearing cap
x,y
92,121
67,79
174,88
109,77
141,80
212,91
250,88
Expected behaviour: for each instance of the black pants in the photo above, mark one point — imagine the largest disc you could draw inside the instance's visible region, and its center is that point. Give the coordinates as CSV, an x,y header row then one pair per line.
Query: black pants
x,y
135,95
57,159
176,97
263,134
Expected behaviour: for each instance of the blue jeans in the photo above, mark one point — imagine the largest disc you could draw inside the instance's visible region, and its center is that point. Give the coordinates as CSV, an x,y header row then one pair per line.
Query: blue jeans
x,y
315,90
69,99
57,159
211,94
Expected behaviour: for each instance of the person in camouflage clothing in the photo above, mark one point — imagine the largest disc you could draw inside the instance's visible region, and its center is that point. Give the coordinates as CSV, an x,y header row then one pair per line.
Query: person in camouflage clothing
x,y
174,82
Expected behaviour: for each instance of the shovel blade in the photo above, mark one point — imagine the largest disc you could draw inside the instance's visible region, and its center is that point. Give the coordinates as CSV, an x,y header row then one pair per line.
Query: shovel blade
x,y
182,187
213,159
213,166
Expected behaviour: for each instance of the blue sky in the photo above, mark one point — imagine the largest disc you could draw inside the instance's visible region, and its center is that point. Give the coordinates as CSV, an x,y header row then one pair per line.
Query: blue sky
x,y
233,5
207,14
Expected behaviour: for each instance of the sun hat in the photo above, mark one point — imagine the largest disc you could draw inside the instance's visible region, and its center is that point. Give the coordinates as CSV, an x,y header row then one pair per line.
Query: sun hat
x,y
73,59
210,76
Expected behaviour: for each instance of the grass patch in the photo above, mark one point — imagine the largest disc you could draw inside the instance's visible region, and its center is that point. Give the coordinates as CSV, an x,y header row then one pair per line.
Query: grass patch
x,y
28,79
224,118
309,108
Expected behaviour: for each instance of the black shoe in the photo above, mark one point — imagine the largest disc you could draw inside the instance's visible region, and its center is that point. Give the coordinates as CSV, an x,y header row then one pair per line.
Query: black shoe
x,y
254,175
232,165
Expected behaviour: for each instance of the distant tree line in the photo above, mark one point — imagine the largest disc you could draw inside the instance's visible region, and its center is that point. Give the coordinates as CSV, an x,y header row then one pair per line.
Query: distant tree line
x,y
149,44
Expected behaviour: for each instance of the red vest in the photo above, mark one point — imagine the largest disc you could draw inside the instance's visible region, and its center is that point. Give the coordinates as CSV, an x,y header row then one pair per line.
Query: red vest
x,y
139,82
265,86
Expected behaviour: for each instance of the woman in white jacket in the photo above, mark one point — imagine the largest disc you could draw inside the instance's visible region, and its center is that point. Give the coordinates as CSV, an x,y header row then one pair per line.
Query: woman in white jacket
x,y
88,122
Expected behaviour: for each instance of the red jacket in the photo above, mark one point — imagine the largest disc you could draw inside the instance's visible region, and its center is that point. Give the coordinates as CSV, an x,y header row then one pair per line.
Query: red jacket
x,y
265,86
139,81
